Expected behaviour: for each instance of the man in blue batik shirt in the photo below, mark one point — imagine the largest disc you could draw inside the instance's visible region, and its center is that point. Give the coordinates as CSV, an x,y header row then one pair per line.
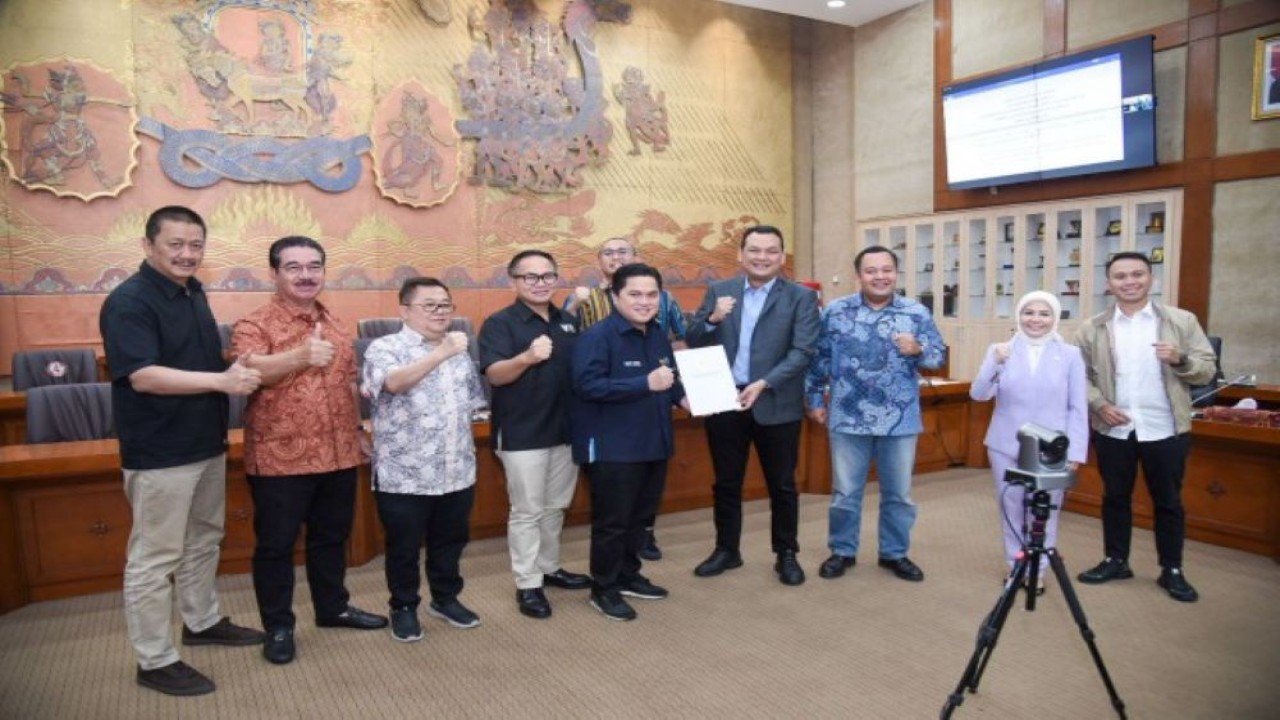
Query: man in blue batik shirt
x,y
869,350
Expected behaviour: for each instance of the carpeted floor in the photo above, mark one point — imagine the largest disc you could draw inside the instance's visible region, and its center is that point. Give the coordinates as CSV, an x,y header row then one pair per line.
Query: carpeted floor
x,y
737,646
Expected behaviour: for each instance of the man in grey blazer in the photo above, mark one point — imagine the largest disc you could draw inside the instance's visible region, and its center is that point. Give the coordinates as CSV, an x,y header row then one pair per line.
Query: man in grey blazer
x,y
768,326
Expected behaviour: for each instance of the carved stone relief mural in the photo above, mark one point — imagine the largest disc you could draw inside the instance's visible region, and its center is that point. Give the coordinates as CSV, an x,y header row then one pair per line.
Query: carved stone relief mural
x,y
67,127
262,72
646,116
416,148
536,124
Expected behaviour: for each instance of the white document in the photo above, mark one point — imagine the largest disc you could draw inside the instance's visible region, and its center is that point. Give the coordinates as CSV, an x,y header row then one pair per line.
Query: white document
x,y
708,381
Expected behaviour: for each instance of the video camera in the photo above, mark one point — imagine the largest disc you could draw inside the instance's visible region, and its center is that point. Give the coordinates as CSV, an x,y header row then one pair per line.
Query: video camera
x,y
1042,460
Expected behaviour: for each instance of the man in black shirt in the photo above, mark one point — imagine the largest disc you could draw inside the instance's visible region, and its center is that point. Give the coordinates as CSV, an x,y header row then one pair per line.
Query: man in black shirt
x,y
524,352
169,387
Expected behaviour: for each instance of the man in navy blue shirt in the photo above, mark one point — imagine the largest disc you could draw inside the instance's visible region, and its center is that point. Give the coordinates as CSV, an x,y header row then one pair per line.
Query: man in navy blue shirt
x,y
624,387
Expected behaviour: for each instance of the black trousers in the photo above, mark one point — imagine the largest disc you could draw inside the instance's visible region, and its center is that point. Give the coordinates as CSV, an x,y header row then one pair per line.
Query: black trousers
x,y
1163,464
730,436
444,522
325,503
623,497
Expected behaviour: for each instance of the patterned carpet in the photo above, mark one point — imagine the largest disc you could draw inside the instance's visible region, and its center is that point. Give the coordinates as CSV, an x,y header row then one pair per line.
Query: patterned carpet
x,y
738,646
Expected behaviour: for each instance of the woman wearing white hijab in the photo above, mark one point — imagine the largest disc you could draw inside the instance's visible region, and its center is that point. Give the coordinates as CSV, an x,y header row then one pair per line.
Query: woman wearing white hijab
x,y
1036,377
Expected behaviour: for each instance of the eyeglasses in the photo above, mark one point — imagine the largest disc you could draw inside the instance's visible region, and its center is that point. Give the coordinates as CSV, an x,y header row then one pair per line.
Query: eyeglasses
x,y
545,278
298,268
618,252
431,308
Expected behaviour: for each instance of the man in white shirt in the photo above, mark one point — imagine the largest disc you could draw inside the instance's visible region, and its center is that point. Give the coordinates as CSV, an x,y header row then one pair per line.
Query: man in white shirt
x,y
1141,358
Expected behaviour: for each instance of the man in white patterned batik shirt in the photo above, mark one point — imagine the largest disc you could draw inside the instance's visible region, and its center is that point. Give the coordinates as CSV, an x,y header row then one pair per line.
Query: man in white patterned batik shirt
x,y
424,388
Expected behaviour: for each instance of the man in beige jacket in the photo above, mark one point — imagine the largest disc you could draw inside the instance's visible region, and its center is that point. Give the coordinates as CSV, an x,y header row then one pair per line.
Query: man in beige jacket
x,y
1141,357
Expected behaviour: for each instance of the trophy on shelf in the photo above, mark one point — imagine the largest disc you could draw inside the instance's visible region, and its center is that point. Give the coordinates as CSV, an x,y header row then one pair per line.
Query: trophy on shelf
x,y
1157,223
1073,287
1040,232
1113,227
1074,257
1073,228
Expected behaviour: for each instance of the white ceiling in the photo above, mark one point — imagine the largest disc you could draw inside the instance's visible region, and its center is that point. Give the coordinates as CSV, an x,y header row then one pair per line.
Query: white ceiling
x,y
853,14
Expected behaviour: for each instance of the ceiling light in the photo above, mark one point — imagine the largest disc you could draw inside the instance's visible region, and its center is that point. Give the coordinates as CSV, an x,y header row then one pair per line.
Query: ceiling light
x,y
835,4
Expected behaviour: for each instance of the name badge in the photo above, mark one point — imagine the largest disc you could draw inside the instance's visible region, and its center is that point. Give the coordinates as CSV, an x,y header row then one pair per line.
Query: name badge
x,y
632,363
568,327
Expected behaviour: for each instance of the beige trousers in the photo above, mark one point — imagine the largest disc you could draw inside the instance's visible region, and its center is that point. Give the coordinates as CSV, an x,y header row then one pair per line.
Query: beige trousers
x,y
540,484
178,516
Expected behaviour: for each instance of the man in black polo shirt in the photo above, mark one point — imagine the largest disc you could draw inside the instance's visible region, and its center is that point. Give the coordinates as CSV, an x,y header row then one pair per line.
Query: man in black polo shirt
x,y
169,387
525,351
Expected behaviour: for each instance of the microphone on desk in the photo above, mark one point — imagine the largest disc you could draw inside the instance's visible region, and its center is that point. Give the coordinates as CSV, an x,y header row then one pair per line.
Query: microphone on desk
x,y
1242,381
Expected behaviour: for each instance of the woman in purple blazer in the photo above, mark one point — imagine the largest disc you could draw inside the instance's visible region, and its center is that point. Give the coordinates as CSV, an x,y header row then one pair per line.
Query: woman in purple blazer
x,y
1036,377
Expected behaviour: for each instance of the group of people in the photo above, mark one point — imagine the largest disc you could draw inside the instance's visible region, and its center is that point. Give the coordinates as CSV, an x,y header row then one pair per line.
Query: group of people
x,y
591,385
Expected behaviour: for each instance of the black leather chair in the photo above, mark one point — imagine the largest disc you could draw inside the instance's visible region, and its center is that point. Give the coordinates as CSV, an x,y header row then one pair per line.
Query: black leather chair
x,y
360,345
65,366
377,327
1201,394
65,413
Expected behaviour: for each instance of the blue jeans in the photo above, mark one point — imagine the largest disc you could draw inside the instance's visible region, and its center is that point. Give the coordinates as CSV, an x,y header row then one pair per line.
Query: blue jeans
x,y
851,457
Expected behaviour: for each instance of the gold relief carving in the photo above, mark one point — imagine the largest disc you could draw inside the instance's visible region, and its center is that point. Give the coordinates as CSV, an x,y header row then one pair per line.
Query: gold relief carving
x,y
67,128
438,11
416,148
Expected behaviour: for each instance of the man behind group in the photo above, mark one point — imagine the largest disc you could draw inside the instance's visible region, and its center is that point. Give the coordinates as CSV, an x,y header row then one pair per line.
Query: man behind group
x,y
525,351
768,326
1141,357
591,305
622,433
872,345
424,389
302,446
168,394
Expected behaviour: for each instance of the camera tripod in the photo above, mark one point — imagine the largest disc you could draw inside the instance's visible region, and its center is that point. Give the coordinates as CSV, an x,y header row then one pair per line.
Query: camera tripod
x,y
1027,568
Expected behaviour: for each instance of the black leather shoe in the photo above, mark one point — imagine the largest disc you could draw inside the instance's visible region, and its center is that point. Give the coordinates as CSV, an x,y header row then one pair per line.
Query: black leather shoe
x,y
354,618
719,561
567,580
903,568
533,603
834,566
788,568
1106,571
650,550
279,648
1172,580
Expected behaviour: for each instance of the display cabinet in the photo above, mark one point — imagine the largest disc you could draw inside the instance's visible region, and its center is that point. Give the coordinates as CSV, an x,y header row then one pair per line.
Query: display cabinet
x,y
971,267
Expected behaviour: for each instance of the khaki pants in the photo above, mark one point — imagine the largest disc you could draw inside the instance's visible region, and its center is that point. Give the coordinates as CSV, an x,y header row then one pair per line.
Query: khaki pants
x,y
540,484
178,516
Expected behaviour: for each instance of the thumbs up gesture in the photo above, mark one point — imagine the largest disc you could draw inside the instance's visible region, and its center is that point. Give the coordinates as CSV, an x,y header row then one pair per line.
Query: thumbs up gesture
x,y
240,379
315,350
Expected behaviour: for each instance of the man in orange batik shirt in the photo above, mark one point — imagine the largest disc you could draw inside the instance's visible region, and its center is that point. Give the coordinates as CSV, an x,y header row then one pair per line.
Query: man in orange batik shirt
x,y
303,445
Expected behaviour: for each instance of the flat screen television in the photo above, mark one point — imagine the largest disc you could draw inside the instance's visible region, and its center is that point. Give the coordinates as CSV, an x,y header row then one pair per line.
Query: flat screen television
x,y
1090,112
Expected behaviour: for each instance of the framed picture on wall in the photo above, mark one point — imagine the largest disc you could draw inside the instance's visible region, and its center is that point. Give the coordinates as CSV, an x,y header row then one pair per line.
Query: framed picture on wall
x,y
1266,78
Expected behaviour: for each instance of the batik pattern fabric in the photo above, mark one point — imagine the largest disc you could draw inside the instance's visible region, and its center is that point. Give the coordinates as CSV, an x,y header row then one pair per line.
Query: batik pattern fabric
x,y
422,437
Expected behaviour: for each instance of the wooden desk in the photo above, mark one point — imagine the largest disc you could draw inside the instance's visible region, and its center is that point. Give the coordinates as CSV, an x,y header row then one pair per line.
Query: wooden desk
x,y
1231,490
71,520
949,428
1268,396
13,418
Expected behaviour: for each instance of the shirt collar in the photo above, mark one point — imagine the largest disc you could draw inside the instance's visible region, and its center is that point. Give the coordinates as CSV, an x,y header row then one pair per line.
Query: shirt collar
x,y
526,313
765,288
166,285
1147,312
316,313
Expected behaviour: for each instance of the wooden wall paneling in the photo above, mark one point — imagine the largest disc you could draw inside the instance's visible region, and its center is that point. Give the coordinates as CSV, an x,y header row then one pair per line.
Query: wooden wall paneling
x,y
1247,15
1055,28
942,70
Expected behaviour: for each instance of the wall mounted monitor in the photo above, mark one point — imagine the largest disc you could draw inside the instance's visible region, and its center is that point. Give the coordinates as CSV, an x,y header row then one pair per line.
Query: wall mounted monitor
x,y
1089,112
